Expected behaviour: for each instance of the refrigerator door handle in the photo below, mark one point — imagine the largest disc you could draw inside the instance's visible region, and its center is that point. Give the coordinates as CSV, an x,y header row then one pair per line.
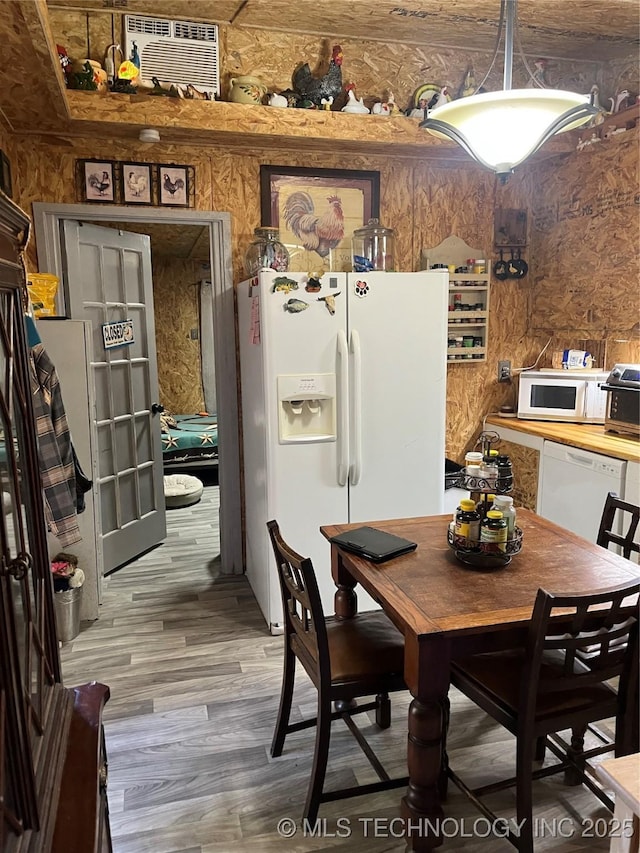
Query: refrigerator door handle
x,y
355,471
343,401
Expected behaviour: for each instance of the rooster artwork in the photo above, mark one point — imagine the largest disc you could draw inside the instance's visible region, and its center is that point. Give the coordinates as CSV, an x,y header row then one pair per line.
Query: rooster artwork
x,y
311,90
317,231
100,184
173,186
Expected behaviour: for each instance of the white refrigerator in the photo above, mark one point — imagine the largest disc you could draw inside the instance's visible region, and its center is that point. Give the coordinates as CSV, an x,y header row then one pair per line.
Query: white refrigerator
x,y
343,410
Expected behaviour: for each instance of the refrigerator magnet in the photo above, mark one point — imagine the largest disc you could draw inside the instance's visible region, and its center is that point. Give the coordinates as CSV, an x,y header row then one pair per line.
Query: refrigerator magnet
x,y
313,282
362,288
282,284
330,302
295,306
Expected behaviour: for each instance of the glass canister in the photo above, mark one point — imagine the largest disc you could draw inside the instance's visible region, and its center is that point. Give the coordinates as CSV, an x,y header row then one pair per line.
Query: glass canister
x,y
266,252
373,247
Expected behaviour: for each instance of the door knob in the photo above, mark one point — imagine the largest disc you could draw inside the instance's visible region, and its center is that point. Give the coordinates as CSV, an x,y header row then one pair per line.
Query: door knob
x,y
157,409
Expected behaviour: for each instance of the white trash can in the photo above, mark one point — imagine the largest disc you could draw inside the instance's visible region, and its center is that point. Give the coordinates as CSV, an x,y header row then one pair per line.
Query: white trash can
x,y
67,607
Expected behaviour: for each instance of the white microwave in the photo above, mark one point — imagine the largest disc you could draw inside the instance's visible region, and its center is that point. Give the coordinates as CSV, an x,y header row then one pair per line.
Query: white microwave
x,y
563,395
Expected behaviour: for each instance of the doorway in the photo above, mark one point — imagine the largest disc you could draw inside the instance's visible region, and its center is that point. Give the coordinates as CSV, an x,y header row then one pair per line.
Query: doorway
x,y
48,219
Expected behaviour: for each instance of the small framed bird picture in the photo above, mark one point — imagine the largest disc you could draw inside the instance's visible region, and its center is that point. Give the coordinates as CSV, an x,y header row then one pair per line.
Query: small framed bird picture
x,y
174,185
97,180
136,183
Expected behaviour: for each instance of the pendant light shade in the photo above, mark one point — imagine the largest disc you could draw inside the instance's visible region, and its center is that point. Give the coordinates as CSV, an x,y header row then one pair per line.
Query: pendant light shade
x,y
501,129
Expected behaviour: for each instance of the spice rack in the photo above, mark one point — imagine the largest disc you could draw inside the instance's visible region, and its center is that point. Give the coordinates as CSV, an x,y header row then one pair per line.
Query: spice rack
x,y
468,318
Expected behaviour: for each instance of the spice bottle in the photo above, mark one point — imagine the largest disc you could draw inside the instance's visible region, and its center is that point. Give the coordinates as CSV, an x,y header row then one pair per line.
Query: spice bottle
x,y
485,504
493,531
504,503
505,473
467,521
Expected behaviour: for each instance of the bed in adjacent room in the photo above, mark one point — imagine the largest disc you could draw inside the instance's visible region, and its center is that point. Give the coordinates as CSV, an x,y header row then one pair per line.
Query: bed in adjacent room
x,y
189,441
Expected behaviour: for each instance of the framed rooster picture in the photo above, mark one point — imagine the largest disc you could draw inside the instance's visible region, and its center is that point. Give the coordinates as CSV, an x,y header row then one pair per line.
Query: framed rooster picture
x,y
317,211
97,180
174,189
136,183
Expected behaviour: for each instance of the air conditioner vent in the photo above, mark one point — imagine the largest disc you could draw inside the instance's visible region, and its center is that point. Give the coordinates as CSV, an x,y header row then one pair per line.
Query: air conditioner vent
x,y
149,26
191,30
182,52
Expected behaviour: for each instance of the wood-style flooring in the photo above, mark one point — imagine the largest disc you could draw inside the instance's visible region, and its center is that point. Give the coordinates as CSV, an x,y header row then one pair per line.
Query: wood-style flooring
x,y
195,683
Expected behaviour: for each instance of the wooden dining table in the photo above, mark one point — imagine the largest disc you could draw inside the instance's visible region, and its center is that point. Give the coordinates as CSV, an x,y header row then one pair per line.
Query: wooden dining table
x,y
447,609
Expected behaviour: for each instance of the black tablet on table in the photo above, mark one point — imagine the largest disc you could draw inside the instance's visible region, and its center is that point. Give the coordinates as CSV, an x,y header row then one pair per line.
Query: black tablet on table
x,y
373,544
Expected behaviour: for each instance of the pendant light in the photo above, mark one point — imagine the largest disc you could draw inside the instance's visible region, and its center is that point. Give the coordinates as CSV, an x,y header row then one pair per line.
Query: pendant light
x,y
501,129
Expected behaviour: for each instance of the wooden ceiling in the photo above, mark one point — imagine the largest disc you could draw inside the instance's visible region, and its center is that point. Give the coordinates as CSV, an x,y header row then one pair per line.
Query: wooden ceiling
x,y
602,30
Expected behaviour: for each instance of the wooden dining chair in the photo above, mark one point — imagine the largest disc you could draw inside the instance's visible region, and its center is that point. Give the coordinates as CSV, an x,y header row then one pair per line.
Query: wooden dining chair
x,y
345,659
628,515
546,688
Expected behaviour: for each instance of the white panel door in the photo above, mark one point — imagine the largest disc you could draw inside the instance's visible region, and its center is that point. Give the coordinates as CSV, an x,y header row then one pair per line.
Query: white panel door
x,y
109,280
398,345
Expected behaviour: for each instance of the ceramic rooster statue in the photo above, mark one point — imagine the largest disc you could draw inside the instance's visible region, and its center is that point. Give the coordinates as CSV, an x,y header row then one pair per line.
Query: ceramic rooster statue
x,y
317,233
314,89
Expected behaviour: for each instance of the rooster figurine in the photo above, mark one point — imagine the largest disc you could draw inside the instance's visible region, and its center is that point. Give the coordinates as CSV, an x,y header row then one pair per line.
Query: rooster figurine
x,y
317,233
314,89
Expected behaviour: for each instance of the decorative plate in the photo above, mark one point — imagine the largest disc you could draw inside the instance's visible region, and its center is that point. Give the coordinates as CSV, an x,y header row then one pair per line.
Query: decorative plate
x,y
426,91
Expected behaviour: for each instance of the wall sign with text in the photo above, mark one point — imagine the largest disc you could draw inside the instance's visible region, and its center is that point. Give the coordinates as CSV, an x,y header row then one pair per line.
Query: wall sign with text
x,y
118,334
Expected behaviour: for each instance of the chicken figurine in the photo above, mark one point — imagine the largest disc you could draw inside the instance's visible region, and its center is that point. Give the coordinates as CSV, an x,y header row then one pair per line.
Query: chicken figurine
x,y
313,89
317,232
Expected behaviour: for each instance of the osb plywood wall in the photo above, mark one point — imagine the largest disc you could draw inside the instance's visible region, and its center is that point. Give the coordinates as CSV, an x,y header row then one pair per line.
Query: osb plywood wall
x,y
7,145
584,238
175,296
525,462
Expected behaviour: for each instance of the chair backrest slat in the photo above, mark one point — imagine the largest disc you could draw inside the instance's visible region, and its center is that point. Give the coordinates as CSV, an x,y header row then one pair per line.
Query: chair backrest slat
x,y
301,604
628,515
580,641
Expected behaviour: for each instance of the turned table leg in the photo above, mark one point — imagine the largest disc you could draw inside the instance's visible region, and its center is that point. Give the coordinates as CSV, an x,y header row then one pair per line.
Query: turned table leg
x,y
345,599
427,676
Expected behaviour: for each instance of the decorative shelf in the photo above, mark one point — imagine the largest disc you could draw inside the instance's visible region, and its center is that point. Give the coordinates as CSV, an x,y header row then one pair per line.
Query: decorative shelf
x,y
465,289
235,125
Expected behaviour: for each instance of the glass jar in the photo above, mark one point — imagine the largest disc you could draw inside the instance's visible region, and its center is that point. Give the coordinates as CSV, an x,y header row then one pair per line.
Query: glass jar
x,y
373,247
266,252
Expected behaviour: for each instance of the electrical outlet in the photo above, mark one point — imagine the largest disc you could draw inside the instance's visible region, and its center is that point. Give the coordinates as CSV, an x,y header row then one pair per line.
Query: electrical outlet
x,y
504,371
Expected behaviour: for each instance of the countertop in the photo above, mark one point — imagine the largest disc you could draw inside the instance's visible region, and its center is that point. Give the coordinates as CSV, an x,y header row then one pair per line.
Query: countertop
x,y
587,436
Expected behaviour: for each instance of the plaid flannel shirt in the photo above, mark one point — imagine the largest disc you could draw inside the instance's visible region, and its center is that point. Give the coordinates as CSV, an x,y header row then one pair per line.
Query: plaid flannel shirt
x,y
54,449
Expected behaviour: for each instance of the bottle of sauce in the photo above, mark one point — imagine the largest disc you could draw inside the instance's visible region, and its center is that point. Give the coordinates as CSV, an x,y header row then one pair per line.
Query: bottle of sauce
x,y
467,524
493,532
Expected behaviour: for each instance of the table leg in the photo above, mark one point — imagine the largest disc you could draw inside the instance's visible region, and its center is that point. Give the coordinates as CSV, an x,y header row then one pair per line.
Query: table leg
x,y
427,676
345,599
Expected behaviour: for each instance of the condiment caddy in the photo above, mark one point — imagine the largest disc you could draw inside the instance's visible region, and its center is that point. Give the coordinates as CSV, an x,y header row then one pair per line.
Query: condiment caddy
x,y
483,532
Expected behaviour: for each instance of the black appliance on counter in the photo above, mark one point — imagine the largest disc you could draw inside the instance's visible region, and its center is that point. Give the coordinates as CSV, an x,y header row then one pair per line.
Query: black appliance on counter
x,y
623,403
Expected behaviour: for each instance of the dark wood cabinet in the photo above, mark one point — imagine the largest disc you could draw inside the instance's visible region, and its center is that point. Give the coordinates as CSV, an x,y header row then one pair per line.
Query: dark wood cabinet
x,y
52,756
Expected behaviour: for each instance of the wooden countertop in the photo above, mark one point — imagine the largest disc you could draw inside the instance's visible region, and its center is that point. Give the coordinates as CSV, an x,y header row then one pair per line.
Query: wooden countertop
x,y
623,775
587,436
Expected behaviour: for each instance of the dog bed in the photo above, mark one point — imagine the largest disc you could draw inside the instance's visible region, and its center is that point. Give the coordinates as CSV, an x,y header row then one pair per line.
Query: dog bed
x,y
181,490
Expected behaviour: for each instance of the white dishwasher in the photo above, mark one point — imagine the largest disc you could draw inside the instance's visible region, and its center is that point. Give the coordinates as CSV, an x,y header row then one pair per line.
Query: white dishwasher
x,y
575,484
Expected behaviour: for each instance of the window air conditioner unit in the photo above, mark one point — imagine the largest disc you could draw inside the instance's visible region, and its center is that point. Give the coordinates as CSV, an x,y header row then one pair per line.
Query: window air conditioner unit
x,y
184,52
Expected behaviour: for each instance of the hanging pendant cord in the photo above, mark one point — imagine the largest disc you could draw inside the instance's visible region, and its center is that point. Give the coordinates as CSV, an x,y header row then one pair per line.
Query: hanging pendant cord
x,y
495,50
